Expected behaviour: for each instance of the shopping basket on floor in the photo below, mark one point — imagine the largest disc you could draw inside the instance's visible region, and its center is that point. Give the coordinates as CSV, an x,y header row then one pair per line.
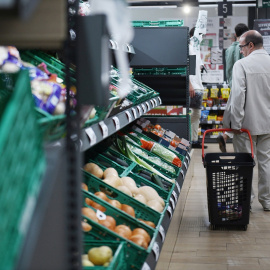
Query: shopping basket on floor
x,y
229,182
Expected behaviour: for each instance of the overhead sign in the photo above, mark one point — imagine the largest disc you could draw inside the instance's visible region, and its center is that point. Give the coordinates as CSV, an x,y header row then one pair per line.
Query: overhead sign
x,y
224,9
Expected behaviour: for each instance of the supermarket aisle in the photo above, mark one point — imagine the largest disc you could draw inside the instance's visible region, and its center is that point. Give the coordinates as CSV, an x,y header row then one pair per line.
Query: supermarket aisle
x,y
190,244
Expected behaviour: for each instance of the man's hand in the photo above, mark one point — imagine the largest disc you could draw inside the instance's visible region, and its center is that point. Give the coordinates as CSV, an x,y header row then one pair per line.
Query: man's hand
x,y
191,91
236,131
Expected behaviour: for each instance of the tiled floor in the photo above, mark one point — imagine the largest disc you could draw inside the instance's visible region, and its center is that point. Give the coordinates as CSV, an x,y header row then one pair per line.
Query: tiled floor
x,y
190,244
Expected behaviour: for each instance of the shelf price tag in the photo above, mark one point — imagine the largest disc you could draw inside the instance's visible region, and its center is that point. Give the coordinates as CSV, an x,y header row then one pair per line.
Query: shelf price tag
x,y
175,196
155,250
128,116
155,101
91,134
182,174
188,155
152,102
134,113
144,109
159,99
217,122
172,202
185,164
162,233
140,110
187,158
104,129
145,266
178,187
148,106
116,122
100,215
169,210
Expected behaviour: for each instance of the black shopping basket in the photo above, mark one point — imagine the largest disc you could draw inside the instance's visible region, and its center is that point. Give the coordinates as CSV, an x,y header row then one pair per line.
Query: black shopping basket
x,y
229,182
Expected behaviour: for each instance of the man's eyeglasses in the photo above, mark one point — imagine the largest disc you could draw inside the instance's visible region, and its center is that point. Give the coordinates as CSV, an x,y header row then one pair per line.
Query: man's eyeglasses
x,y
242,46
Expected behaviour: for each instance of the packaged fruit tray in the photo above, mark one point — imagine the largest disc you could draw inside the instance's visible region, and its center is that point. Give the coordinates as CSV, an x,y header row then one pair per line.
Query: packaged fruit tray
x,y
122,228
113,255
142,211
22,165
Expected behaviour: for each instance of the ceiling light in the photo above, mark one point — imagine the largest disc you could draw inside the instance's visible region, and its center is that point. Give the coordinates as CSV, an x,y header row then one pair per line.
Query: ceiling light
x,y
187,9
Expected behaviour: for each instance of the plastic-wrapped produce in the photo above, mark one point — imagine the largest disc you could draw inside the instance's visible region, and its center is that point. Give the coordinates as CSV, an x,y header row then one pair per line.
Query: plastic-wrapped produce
x,y
161,151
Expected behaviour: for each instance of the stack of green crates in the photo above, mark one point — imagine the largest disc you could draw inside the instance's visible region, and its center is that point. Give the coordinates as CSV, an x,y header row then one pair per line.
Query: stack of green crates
x,y
22,164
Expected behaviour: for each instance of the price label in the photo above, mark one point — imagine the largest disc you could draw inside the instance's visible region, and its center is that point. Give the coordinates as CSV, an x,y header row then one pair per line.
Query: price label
x,y
144,109
104,129
185,164
178,187
140,110
134,113
116,122
169,210
155,101
172,202
209,122
182,174
145,266
175,196
155,249
148,106
100,215
162,233
217,122
152,103
187,158
91,135
128,116
159,99
188,155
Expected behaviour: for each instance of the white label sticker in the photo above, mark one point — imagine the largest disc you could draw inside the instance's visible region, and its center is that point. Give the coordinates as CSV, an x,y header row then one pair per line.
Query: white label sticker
x,y
140,110
100,215
175,196
185,164
182,174
162,233
155,249
178,187
217,122
128,116
91,134
172,202
134,113
145,266
169,210
152,103
144,108
148,106
210,122
155,101
116,122
159,99
104,129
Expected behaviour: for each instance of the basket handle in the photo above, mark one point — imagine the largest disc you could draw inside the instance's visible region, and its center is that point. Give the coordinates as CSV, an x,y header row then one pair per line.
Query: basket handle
x,y
226,129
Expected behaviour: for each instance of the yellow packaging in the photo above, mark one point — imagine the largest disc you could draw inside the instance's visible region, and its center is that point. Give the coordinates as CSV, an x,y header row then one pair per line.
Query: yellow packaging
x,y
214,93
212,117
205,94
225,92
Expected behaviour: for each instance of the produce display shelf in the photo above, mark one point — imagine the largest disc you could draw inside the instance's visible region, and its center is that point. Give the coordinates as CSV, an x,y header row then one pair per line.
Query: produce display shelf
x,y
97,132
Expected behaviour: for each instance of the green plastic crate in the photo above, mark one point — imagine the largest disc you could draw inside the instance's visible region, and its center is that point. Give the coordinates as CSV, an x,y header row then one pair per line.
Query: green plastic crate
x,y
53,127
119,254
22,166
158,23
136,255
141,210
